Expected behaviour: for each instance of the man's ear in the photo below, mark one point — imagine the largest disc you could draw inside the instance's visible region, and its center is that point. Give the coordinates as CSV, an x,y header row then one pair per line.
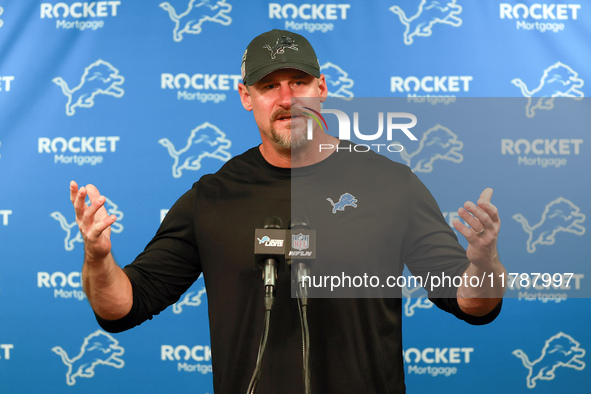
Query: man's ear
x,y
244,96
322,87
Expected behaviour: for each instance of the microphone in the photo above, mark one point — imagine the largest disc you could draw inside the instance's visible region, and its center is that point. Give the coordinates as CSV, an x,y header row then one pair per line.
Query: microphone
x,y
269,242
269,251
269,254
302,252
303,240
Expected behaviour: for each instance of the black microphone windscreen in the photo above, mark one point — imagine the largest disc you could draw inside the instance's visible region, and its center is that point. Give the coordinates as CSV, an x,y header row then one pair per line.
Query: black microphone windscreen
x,y
299,222
273,222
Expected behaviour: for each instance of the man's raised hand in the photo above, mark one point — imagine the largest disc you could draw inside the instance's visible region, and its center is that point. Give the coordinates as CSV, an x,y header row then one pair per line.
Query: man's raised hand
x,y
483,219
93,221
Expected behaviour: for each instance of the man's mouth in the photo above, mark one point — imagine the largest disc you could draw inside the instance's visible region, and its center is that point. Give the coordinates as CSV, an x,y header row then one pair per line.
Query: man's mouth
x,y
290,115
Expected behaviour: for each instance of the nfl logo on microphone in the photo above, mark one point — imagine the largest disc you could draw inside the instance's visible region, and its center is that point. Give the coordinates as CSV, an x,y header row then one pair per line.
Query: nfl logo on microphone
x,y
300,241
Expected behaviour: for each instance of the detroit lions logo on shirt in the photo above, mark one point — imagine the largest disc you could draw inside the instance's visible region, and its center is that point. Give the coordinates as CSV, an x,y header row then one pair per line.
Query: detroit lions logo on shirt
x,y
346,200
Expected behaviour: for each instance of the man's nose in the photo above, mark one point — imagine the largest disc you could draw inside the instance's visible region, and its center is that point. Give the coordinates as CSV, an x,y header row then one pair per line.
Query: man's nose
x,y
285,95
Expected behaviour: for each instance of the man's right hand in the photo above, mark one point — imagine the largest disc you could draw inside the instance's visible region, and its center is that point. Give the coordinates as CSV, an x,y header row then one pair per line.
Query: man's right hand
x,y
93,221
107,287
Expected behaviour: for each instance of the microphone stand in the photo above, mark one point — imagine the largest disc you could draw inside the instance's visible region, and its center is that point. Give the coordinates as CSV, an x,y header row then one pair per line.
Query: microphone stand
x,y
269,278
302,295
302,258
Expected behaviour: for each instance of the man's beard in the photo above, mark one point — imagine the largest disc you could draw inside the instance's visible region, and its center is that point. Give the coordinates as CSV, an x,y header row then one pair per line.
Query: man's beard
x,y
294,138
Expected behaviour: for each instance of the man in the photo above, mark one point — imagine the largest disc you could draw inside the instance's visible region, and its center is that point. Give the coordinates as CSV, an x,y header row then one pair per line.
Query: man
x,y
356,343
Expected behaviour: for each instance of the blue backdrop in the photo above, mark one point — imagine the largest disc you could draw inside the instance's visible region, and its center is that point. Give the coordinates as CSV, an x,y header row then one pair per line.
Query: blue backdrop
x,y
112,93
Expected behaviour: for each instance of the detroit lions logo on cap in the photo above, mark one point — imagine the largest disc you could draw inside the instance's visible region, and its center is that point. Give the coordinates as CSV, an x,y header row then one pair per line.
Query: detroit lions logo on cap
x,y
282,43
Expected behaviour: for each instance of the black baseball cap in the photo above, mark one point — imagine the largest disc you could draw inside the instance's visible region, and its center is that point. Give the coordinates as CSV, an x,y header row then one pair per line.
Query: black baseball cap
x,y
277,49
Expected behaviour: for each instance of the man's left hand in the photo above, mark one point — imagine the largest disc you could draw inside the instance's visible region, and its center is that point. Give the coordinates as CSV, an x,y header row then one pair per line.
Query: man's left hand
x,y
483,219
